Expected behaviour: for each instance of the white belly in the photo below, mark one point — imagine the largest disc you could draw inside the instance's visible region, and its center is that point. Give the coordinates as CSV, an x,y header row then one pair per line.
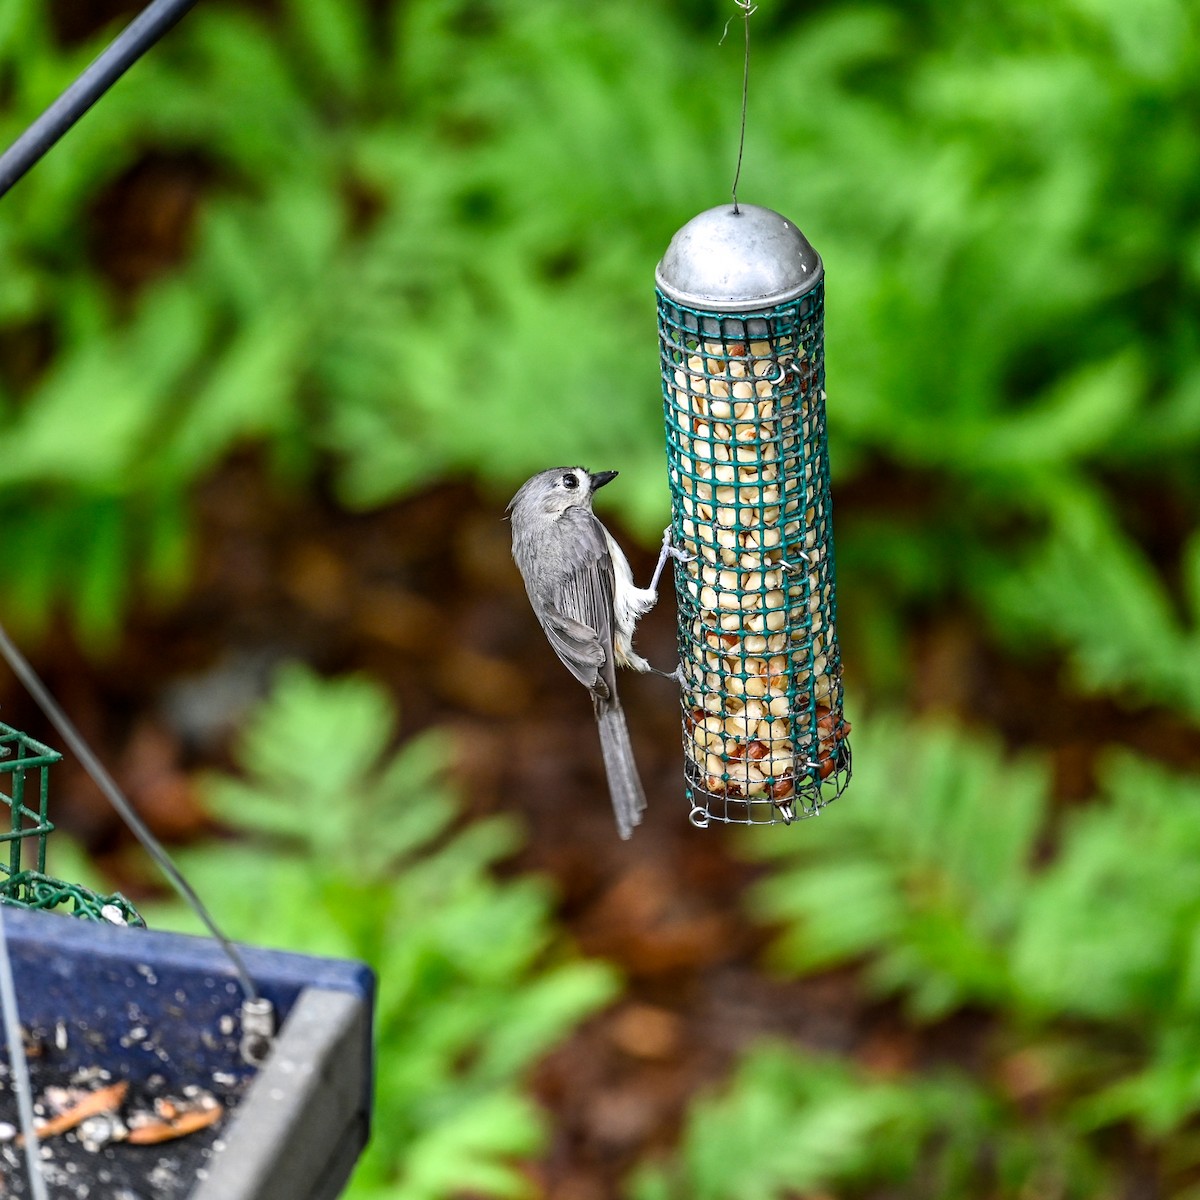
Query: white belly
x,y
629,603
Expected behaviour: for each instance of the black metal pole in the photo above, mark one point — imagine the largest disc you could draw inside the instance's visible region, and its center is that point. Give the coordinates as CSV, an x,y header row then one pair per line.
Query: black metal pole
x,y
125,49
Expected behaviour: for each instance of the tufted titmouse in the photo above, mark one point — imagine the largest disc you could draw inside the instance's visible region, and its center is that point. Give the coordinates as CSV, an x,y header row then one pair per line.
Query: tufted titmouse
x,y
583,594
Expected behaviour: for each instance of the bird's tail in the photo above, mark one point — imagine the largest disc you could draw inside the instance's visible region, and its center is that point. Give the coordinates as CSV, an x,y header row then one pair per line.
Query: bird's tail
x,y
628,799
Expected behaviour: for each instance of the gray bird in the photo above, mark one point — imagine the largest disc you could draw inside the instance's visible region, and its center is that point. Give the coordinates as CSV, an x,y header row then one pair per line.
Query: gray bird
x,y
583,594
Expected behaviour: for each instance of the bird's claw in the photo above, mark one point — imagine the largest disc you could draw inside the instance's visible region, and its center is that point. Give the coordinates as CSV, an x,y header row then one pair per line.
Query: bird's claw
x,y
678,553
675,675
669,550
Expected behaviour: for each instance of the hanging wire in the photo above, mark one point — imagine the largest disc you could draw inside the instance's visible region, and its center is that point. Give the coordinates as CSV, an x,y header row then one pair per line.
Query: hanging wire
x,y
749,8
124,50
67,731
19,1069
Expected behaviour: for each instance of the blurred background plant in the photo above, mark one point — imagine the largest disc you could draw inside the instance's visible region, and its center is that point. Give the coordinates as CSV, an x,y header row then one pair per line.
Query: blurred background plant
x,y
412,240
1072,982
348,852
396,255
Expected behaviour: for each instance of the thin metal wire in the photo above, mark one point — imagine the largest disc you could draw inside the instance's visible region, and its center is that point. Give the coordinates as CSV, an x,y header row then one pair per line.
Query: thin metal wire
x,y
67,731
20,1070
749,8
124,50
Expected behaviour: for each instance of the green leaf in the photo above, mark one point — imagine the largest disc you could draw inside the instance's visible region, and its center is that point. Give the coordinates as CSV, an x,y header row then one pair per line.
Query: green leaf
x,y
1105,929
925,867
1079,417
335,39
1089,588
790,1122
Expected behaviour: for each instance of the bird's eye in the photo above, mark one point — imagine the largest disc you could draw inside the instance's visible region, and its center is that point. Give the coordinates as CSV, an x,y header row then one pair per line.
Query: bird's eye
x,y
569,481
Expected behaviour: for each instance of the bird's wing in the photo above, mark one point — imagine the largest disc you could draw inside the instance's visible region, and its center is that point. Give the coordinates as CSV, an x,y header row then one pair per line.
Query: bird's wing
x,y
577,646
580,618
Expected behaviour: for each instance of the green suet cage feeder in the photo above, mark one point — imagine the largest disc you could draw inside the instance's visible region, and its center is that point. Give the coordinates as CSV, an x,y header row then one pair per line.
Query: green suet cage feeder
x,y
741,332
25,791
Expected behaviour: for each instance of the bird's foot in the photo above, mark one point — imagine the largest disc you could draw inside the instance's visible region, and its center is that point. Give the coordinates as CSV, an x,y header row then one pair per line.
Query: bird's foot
x,y
669,550
676,675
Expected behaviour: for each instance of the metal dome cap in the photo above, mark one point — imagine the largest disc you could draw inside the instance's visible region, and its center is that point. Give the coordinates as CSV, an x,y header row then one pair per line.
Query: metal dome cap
x,y
737,260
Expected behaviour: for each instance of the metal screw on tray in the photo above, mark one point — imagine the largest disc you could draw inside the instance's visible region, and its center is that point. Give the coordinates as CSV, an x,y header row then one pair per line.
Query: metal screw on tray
x,y
741,334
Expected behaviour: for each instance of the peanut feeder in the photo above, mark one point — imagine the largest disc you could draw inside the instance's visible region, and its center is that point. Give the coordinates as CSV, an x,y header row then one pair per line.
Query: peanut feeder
x,y
741,332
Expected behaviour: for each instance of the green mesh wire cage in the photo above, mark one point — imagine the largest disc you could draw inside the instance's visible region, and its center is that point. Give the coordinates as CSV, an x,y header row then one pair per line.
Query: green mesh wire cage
x,y
741,333
25,790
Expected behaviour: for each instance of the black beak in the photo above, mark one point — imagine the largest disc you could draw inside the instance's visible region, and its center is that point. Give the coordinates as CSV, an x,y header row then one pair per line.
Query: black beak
x,y
600,478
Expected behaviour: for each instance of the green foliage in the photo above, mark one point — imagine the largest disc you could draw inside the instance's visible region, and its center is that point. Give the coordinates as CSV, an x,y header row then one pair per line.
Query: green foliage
x,y
424,243
394,263
350,851
928,863
1109,927
929,877
1089,585
790,1122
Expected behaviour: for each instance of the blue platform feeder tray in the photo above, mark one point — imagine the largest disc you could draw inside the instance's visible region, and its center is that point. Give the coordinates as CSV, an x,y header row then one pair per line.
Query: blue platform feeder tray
x,y
145,1005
